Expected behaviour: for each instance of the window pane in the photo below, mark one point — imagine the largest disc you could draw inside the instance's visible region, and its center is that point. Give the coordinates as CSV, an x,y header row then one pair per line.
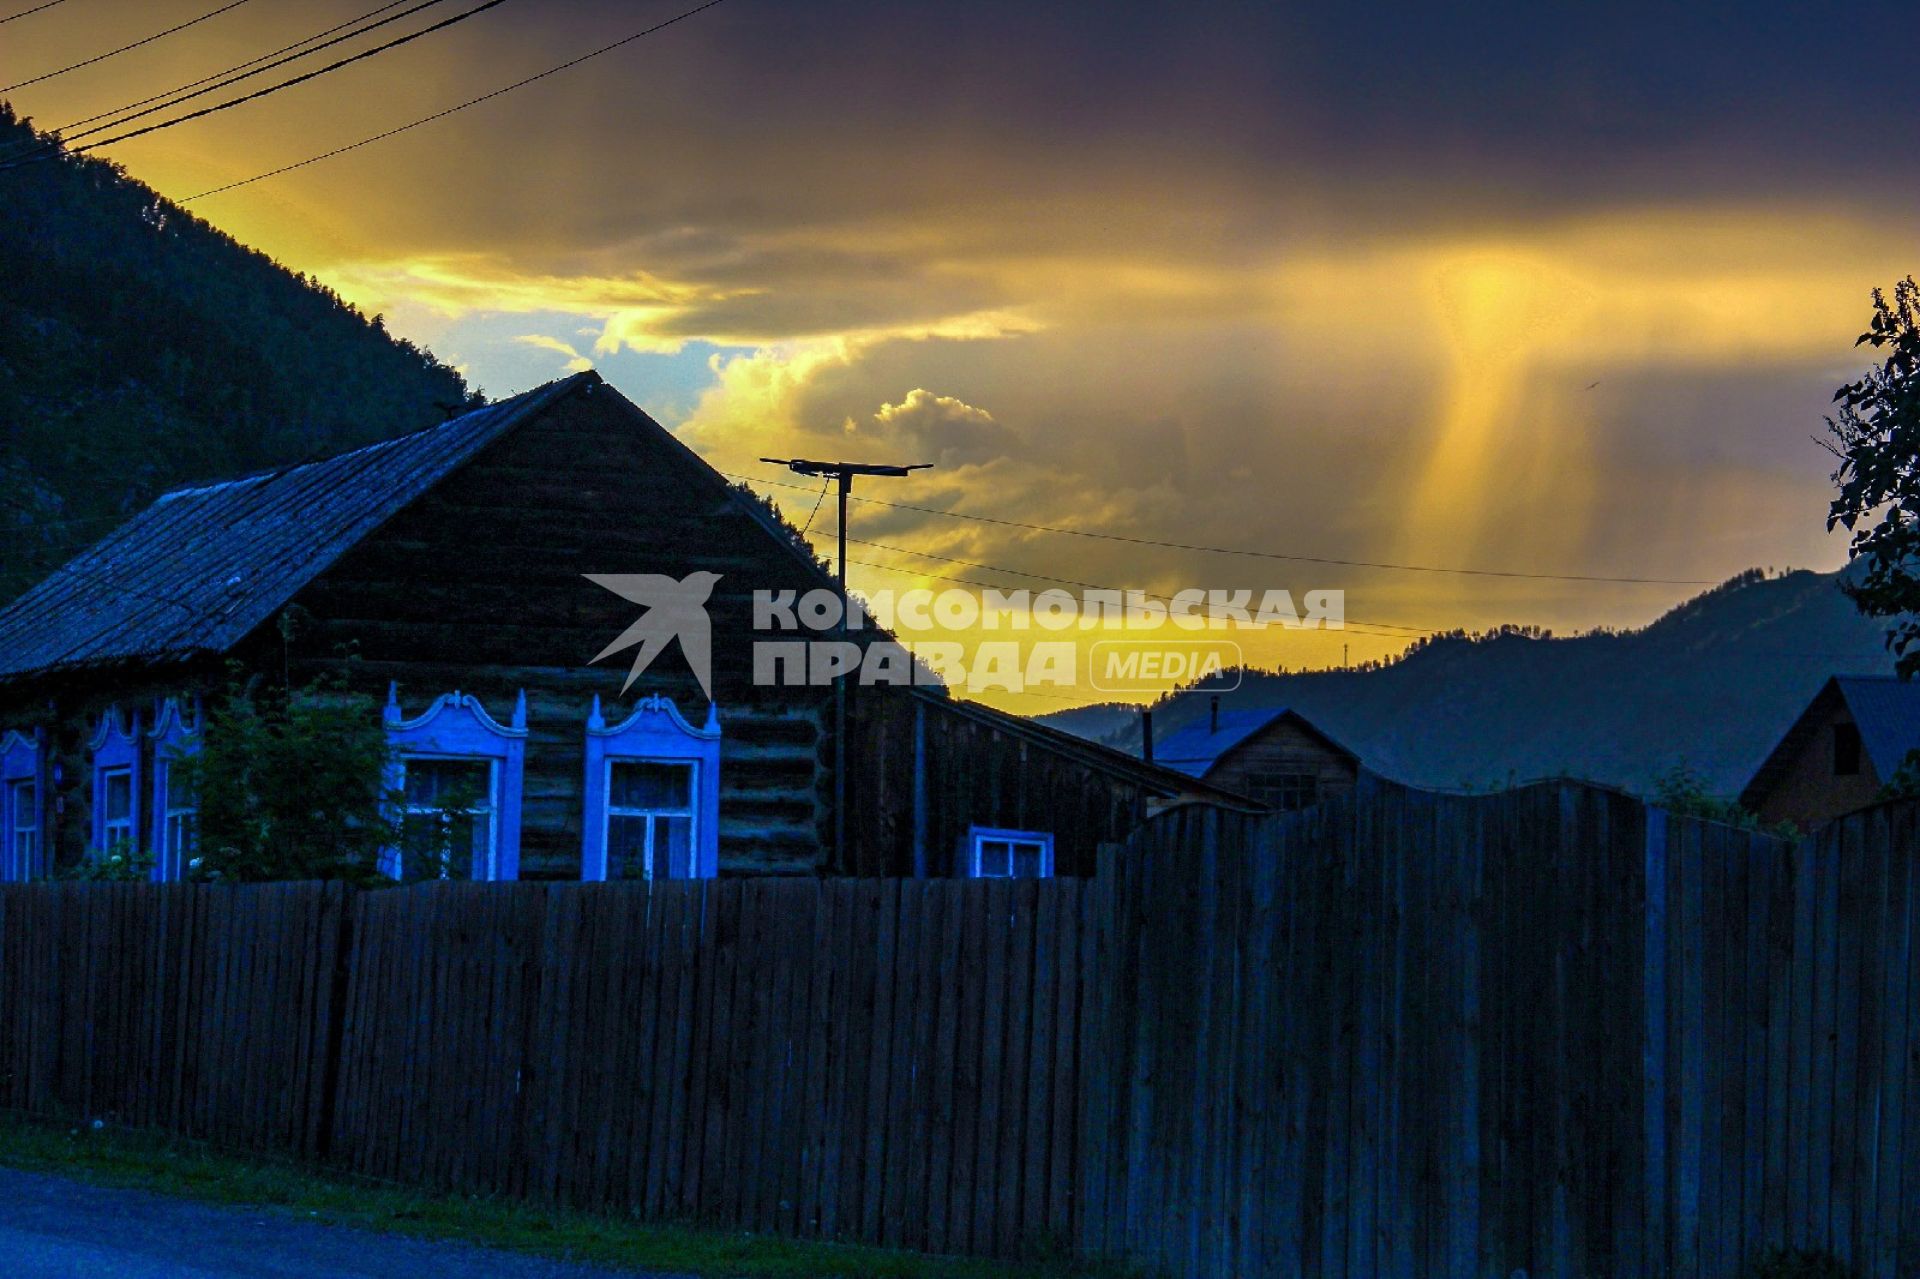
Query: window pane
x,y
449,783
996,858
672,847
178,849
21,804
646,784
22,839
627,847
442,845
119,794
1026,860
179,793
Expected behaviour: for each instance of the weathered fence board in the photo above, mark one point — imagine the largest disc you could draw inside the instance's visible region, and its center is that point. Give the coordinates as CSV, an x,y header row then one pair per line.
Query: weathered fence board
x,y
1401,1034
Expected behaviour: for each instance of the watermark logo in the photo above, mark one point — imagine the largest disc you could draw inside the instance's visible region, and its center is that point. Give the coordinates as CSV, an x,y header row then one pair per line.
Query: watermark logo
x,y
816,638
676,610
1140,662
1152,666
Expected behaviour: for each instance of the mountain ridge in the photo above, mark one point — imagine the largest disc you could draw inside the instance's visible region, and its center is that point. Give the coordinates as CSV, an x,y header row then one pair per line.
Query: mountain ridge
x,y
1712,684
142,348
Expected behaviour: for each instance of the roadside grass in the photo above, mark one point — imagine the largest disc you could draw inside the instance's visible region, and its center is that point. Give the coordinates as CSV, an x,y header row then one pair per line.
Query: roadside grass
x,y
167,1165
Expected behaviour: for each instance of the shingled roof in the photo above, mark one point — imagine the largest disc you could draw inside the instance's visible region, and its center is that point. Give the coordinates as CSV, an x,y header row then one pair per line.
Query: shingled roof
x,y
203,567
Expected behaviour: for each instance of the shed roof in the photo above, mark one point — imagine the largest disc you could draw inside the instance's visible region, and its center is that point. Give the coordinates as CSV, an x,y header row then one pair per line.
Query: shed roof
x,y
1885,708
1196,748
202,567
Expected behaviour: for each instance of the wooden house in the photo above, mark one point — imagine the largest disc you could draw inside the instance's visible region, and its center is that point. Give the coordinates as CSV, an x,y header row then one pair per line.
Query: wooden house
x,y
445,574
1273,756
1844,748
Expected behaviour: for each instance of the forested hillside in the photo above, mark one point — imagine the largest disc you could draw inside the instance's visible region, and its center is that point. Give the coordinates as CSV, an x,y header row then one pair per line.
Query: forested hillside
x,y
140,348
1712,685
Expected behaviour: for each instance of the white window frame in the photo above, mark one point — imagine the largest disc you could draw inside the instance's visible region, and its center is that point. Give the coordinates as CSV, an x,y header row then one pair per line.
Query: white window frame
x,y
114,750
654,733
113,829
179,833
491,812
980,835
691,811
22,806
457,727
176,832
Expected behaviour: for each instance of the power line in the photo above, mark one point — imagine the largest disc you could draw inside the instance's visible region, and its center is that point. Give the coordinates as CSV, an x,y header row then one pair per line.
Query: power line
x,y
102,57
36,9
1258,554
241,66
811,515
974,581
283,84
1414,631
233,75
441,115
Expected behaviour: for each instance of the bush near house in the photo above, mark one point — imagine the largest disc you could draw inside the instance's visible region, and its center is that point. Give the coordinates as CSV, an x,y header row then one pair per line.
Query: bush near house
x,y
291,785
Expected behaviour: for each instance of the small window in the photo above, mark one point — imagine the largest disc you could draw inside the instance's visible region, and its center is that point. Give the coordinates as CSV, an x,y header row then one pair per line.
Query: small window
x,y
447,826
1285,791
178,813
652,800
116,798
1011,854
173,830
23,831
1846,750
650,818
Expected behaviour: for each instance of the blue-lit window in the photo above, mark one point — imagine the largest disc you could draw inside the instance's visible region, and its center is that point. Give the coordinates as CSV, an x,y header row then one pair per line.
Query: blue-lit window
x,y
1009,854
458,773
175,807
652,795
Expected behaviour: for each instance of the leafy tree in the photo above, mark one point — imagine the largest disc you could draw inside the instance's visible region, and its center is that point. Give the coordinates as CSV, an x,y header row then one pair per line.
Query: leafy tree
x,y
1905,782
1876,436
291,786
1683,793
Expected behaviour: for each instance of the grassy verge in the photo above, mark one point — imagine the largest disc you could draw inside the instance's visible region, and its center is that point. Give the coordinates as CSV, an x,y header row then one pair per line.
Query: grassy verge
x,y
146,1161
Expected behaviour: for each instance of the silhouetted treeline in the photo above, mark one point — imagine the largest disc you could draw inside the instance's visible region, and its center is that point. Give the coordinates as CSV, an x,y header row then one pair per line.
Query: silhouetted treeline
x,y
140,348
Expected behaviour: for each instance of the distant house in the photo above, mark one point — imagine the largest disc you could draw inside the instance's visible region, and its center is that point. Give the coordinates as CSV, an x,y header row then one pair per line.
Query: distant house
x,y
452,565
1847,745
1273,756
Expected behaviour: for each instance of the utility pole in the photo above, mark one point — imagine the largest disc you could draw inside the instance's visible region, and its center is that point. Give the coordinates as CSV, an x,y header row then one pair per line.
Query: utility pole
x,y
844,472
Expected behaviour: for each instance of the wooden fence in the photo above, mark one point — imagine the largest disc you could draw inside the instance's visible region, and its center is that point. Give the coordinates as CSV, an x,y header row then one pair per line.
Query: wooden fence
x,y
1401,1034
1546,1031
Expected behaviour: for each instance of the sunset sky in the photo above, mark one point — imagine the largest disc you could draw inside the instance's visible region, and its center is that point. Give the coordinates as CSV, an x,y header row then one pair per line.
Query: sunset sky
x,y
1498,286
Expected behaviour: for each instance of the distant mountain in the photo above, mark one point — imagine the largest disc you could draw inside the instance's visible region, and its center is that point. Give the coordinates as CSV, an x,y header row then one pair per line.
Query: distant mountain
x,y
140,348
1714,683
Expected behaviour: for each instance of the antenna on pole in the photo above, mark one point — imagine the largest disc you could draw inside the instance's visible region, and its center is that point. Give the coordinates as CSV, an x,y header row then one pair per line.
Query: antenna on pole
x,y
844,472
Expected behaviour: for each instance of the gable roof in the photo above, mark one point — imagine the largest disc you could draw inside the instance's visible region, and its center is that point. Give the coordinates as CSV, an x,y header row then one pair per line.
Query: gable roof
x,y
203,567
1885,708
1195,749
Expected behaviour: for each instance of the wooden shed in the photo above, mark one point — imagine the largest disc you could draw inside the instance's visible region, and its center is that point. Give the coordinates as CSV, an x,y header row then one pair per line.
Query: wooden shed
x,y
1844,748
452,564
1272,755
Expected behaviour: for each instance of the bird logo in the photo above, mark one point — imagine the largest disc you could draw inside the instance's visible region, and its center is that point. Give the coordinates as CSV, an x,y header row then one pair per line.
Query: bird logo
x,y
676,609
